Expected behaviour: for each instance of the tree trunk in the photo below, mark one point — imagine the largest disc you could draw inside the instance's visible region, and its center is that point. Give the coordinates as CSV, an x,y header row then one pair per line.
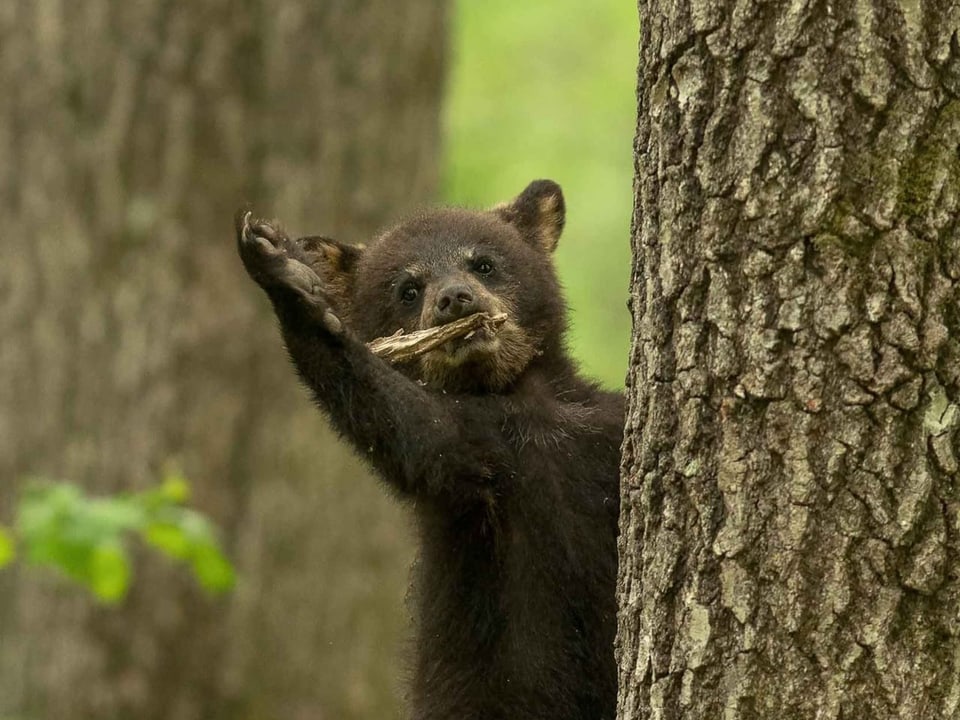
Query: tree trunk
x,y
790,536
133,341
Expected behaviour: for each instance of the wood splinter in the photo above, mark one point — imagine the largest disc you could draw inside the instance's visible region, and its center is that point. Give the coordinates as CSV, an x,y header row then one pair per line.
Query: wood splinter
x,y
401,347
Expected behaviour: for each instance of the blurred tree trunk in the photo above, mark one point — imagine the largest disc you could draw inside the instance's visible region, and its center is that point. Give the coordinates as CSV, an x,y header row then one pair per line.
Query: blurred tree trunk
x,y
790,538
132,341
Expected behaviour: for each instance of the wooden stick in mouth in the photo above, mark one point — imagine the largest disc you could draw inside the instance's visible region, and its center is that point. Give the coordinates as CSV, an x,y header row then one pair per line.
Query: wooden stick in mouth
x,y
401,347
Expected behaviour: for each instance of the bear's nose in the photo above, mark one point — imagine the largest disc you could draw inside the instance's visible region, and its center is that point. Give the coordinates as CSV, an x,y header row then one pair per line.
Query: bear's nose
x,y
454,302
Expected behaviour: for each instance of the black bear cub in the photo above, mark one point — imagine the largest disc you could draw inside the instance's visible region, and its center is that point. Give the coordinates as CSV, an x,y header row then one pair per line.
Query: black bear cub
x,y
509,458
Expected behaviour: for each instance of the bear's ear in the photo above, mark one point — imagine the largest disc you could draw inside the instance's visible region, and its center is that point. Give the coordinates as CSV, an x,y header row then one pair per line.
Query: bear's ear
x,y
538,213
336,264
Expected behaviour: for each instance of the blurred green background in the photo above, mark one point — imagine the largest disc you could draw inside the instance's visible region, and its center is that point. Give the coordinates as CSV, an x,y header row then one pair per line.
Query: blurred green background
x,y
548,90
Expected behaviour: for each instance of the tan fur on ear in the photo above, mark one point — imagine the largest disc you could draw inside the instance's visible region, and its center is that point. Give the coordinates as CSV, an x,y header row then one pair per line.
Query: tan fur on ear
x,y
335,263
551,221
538,213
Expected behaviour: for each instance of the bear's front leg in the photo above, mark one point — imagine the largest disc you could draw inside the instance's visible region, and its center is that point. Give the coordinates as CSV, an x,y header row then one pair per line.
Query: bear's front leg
x,y
420,442
279,266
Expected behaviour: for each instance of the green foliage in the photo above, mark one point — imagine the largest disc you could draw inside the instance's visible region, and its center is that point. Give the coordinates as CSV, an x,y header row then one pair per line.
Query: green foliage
x,y
85,537
6,547
548,90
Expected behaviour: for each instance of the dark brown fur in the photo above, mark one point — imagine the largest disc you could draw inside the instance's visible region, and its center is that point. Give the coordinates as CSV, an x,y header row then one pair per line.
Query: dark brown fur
x,y
510,459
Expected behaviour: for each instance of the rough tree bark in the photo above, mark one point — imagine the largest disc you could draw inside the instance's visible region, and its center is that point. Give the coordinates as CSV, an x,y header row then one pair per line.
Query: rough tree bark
x,y
129,134
790,537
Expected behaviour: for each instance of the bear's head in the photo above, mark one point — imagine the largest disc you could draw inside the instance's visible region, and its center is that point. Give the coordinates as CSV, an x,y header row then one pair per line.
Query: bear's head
x,y
445,264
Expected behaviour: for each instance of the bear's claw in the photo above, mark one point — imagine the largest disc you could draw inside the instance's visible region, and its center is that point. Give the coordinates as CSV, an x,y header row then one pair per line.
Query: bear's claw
x,y
275,261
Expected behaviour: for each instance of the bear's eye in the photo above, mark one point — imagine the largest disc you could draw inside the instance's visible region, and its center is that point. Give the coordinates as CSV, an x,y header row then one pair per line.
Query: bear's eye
x,y
409,294
483,266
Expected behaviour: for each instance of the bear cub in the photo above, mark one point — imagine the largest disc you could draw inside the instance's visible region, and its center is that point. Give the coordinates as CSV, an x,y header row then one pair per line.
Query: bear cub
x,y
510,460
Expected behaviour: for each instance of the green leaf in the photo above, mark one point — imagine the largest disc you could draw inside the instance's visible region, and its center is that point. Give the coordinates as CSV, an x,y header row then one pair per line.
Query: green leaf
x,y
44,507
194,525
175,488
109,572
187,535
104,516
6,547
212,569
168,539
